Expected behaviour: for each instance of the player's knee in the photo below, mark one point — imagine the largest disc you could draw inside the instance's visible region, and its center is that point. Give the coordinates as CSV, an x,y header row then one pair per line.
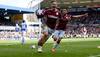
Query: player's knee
x,y
40,43
59,40
54,39
45,33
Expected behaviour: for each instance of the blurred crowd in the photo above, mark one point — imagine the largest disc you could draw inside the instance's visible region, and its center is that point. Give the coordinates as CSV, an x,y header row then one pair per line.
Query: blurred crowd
x,y
91,23
93,30
9,35
5,22
92,18
12,35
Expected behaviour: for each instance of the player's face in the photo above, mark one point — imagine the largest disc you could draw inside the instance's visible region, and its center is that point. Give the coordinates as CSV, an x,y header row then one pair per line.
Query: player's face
x,y
54,4
64,11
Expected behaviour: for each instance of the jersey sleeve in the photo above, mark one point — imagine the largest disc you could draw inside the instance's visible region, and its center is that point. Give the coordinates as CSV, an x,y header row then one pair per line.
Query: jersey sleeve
x,y
39,14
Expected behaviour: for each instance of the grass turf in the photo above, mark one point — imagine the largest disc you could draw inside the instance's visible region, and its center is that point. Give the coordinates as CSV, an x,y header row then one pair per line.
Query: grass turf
x,y
68,48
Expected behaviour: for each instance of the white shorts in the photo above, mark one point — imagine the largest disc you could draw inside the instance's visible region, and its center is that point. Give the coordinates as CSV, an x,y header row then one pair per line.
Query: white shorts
x,y
59,33
49,31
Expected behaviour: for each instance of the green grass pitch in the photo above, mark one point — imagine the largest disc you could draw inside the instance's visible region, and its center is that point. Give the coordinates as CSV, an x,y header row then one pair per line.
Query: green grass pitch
x,y
68,48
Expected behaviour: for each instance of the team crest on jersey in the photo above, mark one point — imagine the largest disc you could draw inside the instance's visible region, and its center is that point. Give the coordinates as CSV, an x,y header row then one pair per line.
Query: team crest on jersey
x,y
57,13
67,17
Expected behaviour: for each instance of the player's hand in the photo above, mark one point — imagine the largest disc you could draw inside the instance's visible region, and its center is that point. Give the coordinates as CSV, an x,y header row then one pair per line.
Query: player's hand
x,y
86,14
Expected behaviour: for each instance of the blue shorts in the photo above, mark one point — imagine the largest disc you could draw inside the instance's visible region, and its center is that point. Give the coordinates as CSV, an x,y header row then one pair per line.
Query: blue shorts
x,y
59,33
23,29
17,29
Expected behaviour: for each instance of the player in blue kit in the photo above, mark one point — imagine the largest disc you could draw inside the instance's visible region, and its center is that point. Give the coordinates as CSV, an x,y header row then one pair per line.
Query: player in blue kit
x,y
23,31
17,29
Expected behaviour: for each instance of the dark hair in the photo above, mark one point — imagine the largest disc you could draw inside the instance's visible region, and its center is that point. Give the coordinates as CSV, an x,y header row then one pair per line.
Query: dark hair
x,y
23,21
53,1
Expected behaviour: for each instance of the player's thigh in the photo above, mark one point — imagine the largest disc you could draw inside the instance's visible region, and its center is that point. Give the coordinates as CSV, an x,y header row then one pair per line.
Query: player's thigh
x,y
56,33
45,31
23,33
48,31
61,34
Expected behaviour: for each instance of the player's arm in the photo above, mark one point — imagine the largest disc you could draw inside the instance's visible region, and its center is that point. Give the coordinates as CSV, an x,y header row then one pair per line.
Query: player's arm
x,y
77,16
40,14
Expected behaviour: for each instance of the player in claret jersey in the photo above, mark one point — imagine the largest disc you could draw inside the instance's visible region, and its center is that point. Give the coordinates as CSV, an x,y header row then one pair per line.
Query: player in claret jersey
x,y
61,27
50,16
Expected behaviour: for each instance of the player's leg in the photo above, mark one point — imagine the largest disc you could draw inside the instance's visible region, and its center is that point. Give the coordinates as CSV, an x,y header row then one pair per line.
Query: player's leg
x,y
55,38
58,35
16,35
23,37
44,38
61,35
